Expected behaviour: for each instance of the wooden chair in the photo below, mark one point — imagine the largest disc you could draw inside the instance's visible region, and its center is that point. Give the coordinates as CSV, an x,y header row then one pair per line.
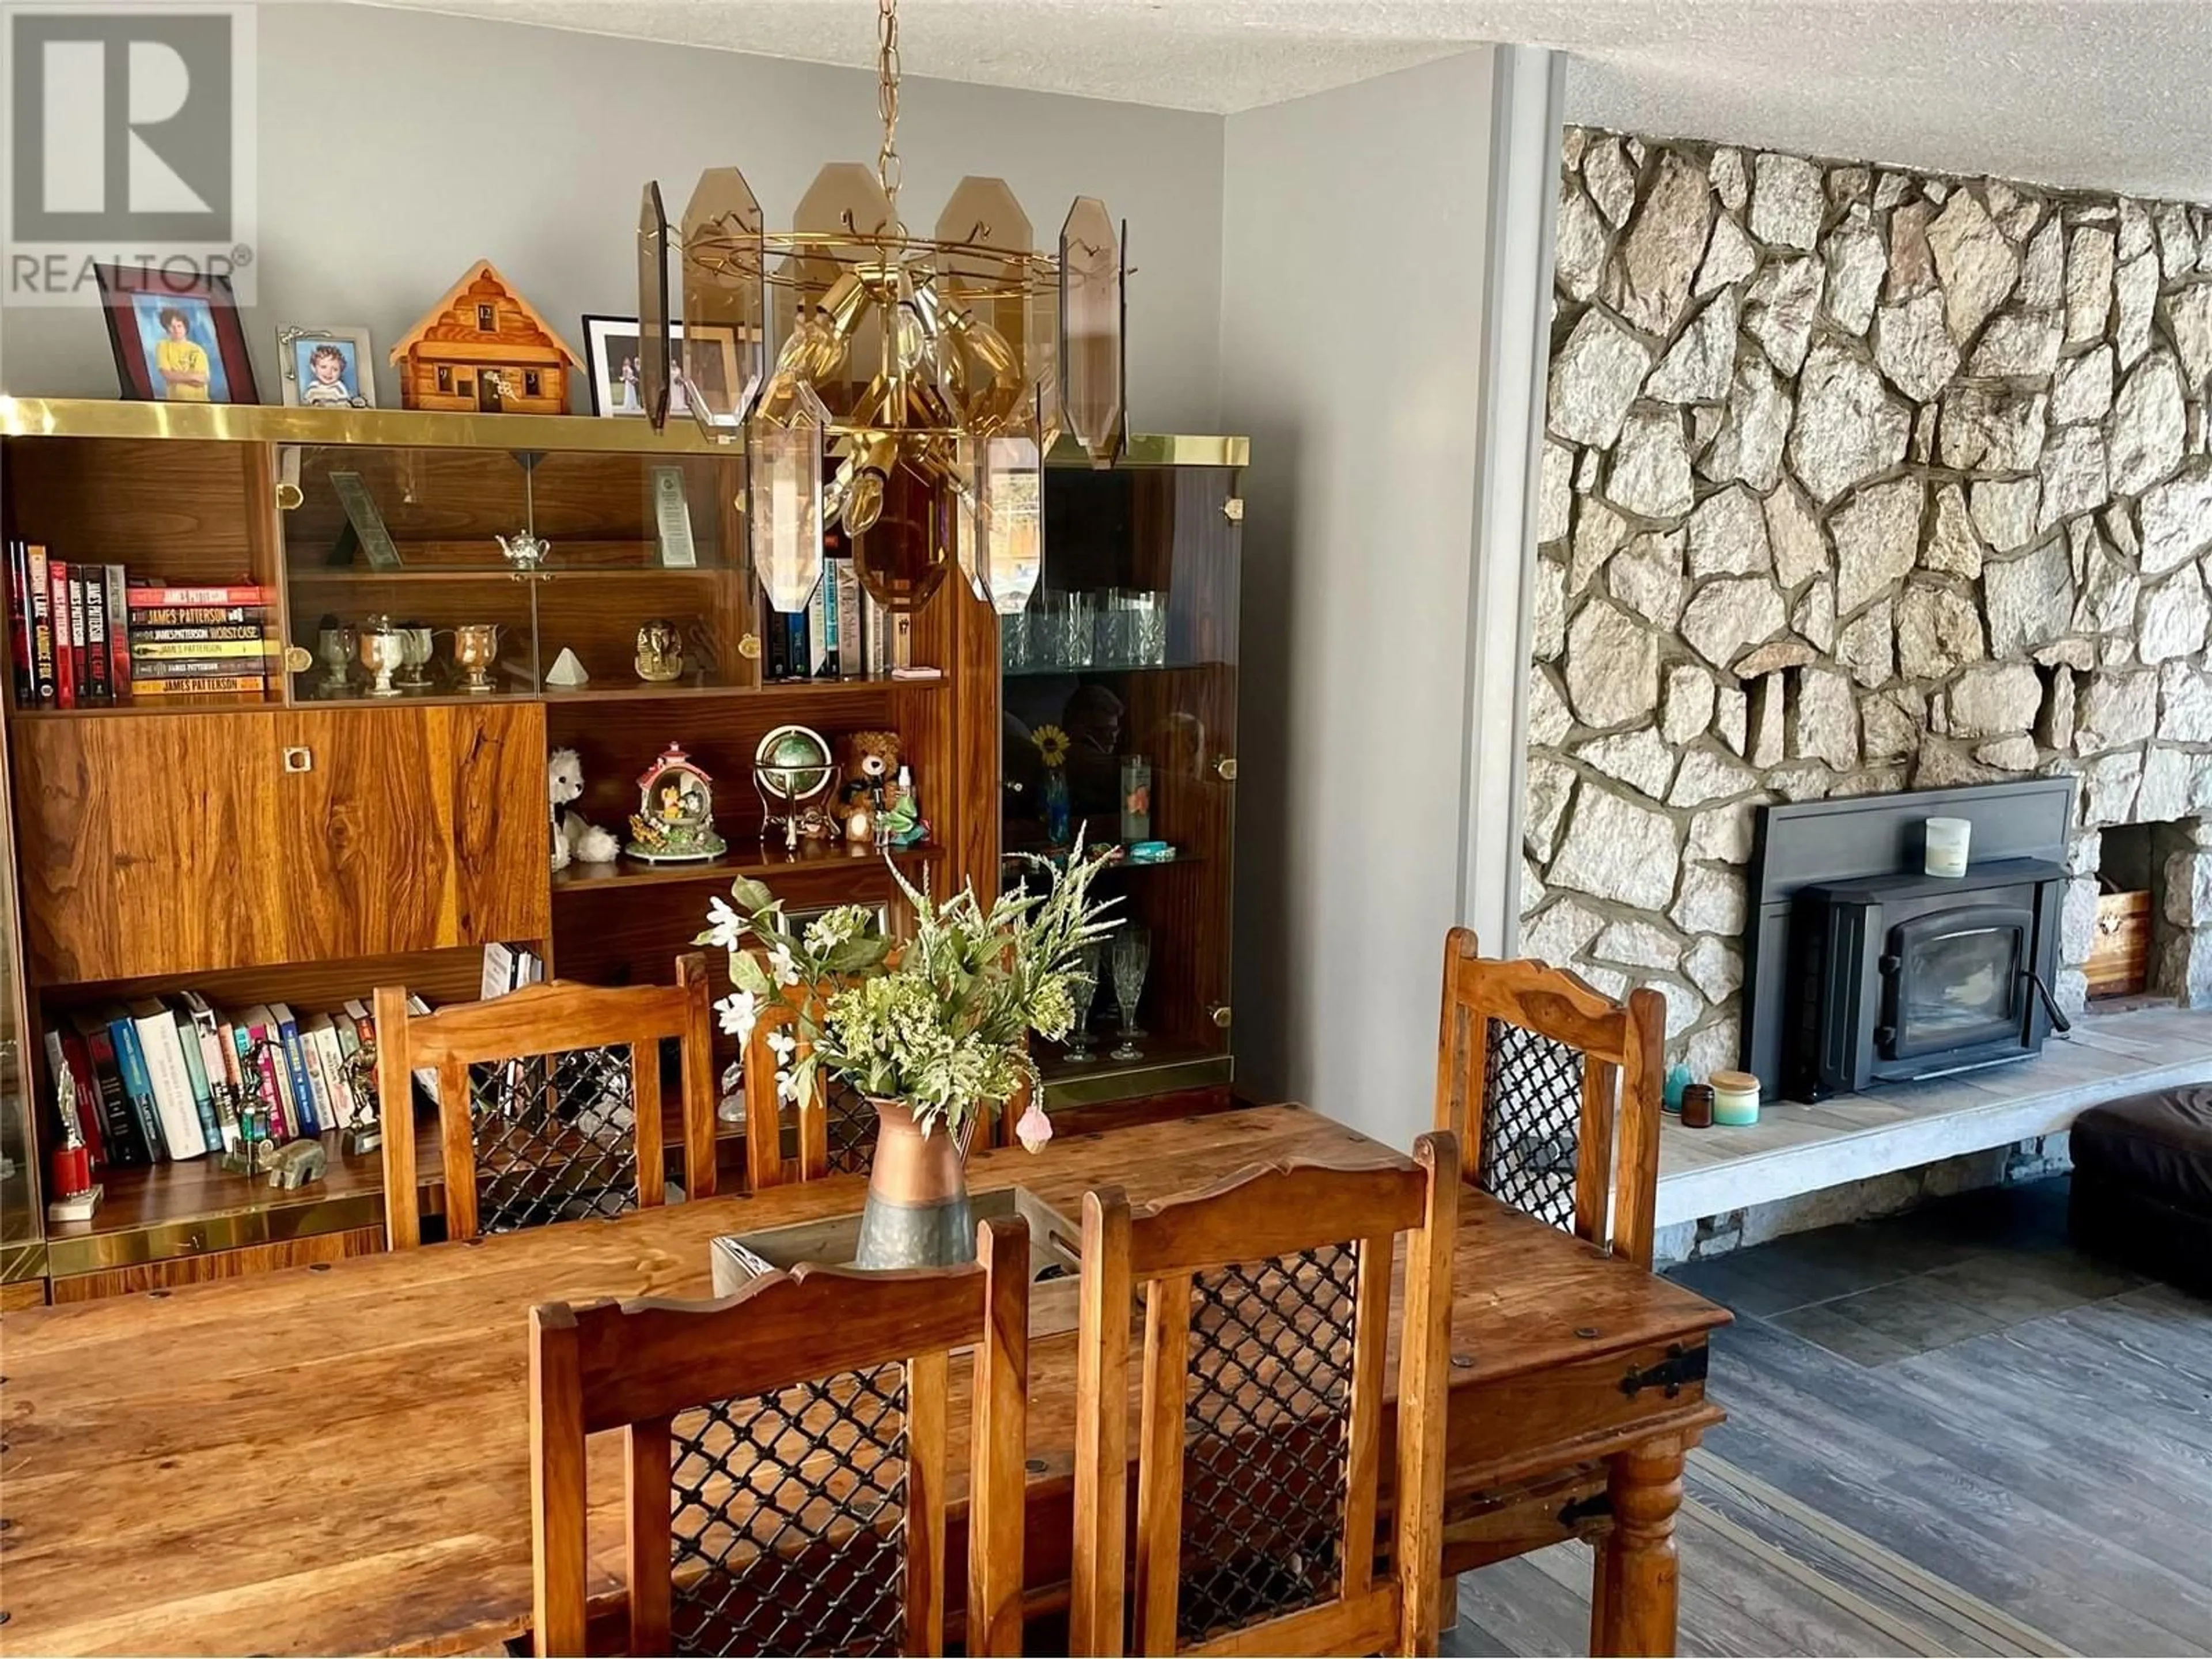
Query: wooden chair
x,y
786,1458
1267,1311
1543,1079
548,1101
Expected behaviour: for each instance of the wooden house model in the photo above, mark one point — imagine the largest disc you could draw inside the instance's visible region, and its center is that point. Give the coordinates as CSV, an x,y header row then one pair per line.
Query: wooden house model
x,y
484,347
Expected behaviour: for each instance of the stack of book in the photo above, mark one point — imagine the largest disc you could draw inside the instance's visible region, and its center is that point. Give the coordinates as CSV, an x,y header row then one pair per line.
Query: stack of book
x,y
164,1077
191,641
842,633
90,636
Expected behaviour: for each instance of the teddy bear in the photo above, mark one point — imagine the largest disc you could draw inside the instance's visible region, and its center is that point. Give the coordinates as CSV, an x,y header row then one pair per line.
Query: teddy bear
x,y
572,836
867,762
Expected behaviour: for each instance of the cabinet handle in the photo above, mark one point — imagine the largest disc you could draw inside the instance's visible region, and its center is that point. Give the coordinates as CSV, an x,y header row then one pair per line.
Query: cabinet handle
x,y
1233,509
749,647
1225,769
1219,1014
298,757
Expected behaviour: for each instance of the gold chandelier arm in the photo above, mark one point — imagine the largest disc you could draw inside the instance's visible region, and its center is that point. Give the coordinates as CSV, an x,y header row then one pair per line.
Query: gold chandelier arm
x,y
889,169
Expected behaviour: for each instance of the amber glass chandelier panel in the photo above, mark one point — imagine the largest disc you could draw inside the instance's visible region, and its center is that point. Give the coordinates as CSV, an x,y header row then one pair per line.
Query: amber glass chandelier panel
x,y
902,557
724,301
1090,329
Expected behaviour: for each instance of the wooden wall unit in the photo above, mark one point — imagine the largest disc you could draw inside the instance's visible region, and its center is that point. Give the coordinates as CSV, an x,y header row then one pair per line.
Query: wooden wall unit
x,y
304,849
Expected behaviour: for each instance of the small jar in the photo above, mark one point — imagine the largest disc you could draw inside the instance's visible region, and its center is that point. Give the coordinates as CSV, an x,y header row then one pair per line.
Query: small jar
x,y
1735,1099
1678,1078
1698,1107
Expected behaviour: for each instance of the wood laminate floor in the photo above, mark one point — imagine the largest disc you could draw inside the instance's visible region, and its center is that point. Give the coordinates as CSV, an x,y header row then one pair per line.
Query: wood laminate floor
x,y
1948,1432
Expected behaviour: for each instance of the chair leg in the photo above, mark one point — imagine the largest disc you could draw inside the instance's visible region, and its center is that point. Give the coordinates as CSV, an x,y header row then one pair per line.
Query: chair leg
x,y
1447,1604
1636,1589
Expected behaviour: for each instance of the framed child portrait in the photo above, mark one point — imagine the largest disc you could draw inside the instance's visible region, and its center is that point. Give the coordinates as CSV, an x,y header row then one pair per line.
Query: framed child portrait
x,y
326,367
615,349
176,336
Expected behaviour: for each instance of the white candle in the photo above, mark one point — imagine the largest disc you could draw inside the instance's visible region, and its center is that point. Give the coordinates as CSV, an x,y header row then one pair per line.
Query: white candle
x,y
1948,839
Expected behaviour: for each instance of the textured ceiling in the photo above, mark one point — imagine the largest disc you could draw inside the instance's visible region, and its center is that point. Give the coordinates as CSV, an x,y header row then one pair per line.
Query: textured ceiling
x,y
2111,92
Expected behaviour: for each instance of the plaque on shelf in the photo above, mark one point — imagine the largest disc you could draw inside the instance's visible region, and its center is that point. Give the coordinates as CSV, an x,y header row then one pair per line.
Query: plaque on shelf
x,y
671,516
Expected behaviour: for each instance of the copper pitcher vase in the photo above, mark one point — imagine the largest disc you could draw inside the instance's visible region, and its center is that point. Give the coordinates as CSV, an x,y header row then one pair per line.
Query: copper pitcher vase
x,y
917,1214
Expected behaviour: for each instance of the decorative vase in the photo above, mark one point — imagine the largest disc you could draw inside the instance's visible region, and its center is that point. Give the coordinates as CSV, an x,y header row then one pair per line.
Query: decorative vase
x,y
1059,813
917,1214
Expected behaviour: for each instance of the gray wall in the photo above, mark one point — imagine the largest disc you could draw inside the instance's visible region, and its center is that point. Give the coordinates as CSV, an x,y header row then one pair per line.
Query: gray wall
x,y
396,147
1352,253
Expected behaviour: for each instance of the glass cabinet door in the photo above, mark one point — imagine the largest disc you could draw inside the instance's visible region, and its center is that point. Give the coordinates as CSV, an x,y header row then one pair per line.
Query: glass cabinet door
x,y
406,539
1119,720
22,1222
489,564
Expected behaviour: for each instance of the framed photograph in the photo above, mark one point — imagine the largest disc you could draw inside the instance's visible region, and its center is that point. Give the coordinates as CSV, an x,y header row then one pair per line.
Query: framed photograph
x,y
614,348
326,367
176,339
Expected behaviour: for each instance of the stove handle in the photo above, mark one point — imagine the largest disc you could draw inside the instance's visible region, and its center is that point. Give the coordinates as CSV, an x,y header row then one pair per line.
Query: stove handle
x,y
2059,1023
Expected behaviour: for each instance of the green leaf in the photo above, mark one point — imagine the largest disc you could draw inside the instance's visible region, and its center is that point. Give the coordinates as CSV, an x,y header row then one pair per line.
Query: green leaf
x,y
858,956
747,974
750,897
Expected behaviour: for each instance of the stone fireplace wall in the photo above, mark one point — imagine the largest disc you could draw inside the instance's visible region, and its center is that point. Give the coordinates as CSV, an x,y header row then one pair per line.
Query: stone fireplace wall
x,y
1857,479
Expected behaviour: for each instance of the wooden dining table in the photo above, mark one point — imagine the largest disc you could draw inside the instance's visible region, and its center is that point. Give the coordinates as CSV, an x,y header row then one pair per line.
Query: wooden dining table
x,y
334,1459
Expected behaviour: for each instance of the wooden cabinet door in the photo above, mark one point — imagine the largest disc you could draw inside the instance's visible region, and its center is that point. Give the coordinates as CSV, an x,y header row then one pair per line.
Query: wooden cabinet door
x,y
412,828
152,844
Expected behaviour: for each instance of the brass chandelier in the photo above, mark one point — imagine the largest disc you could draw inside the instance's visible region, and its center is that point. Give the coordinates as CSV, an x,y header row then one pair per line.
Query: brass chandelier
x,y
906,388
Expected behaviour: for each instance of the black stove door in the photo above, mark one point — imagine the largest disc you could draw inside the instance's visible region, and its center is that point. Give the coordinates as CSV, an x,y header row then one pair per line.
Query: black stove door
x,y
1955,979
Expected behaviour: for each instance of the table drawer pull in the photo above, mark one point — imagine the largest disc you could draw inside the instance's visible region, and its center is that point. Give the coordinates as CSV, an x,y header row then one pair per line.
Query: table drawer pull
x,y
1681,1366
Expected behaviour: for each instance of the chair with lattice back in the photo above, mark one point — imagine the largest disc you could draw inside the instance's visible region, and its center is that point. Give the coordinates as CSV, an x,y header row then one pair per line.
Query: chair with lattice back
x,y
1554,1089
1267,1312
786,1454
548,1101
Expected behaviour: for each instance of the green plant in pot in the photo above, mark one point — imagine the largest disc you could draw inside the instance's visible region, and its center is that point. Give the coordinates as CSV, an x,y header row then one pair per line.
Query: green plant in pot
x,y
932,1029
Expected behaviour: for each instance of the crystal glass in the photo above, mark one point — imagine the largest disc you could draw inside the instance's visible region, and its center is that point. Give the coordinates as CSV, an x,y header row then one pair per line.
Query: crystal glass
x,y
1148,629
1002,525
1074,627
1015,647
1082,991
785,461
1109,630
1132,955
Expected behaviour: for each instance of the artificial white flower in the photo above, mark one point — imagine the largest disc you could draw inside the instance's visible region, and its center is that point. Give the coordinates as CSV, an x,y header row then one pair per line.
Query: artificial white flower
x,y
786,1087
740,1012
781,1044
780,967
1035,1128
725,925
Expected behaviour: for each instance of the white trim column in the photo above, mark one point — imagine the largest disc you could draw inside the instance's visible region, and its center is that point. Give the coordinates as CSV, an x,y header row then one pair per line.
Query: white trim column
x,y
1528,113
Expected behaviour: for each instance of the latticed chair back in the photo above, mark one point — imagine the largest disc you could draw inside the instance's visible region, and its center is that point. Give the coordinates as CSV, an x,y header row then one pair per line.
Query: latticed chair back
x,y
1554,1091
548,1101
786,1454
1266,1313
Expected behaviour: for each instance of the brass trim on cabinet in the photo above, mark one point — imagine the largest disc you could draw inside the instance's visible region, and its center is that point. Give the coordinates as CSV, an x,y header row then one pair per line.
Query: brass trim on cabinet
x,y
1136,1079
420,429
233,1230
19,1262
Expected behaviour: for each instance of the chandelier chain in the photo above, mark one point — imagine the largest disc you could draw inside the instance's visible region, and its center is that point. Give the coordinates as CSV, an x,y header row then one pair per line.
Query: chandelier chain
x,y
889,169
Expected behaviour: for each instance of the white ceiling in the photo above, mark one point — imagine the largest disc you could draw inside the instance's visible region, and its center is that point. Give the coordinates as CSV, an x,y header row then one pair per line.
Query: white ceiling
x,y
2111,92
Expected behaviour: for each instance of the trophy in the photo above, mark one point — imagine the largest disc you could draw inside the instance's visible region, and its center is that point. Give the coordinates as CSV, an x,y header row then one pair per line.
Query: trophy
x,y
383,649
476,647
415,649
335,643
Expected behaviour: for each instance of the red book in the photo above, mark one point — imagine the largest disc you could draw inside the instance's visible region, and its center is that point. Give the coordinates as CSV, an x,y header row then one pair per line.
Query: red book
x,y
58,605
152,595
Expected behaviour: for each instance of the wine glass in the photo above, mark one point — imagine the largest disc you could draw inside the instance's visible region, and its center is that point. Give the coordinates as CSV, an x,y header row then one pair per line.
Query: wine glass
x,y
1082,989
1133,954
